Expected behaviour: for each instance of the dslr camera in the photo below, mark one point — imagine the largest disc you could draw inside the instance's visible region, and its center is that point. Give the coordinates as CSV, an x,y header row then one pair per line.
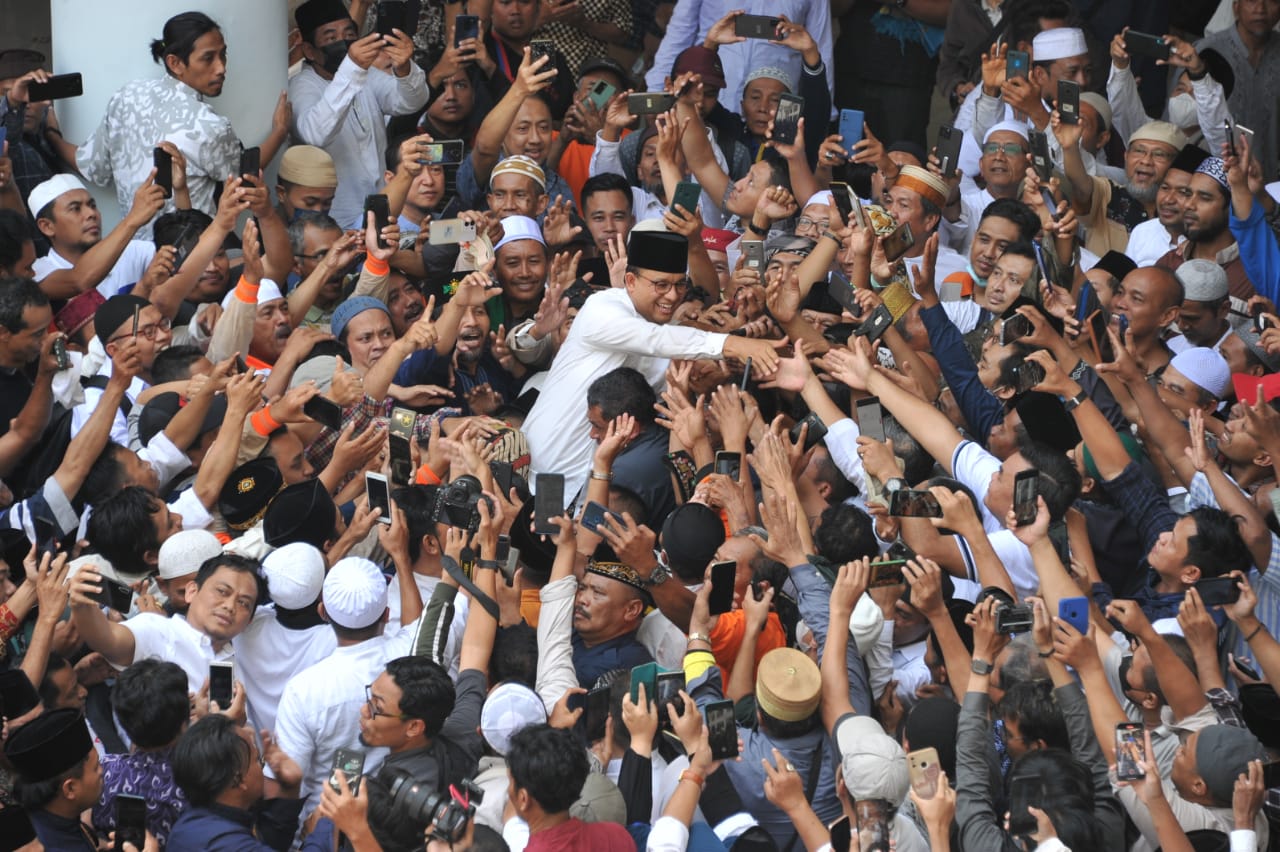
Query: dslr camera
x,y
457,503
447,813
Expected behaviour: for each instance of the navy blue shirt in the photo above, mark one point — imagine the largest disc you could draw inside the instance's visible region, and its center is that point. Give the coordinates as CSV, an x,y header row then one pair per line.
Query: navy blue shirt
x,y
622,652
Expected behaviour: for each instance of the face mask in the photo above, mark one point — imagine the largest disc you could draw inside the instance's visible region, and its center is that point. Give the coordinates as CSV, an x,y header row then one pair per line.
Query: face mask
x,y
1182,111
334,53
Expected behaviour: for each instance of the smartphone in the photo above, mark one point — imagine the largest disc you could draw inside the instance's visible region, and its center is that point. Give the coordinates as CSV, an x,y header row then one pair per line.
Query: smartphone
x,y
1131,751
1017,63
841,835
510,564
873,824
1145,44
447,152
465,27
503,476
185,243
593,515
668,692
1122,323
1230,132
1245,668
251,164
1075,611
1025,791
1218,591
1069,101
895,245
948,149
137,313
887,572
722,729
1026,490
601,93
851,121
729,464
871,418
221,684
380,207
400,454
650,103
874,326
1014,619
163,162
451,232
839,289
756,26
324,411
786,119
391,16
843,197
746,376
906,503
925,770
58,86
753,252
131,822
1028,375
60,353
115,595
548,503
597,714
817,430
686,195
351,762
1014,328
539,48
1040,154
647,674
723,578
375,486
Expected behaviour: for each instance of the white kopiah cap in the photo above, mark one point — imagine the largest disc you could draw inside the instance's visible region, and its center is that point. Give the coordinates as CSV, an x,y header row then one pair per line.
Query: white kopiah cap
x,y
516,228
50,190
355,593
184,552
295,574
510,708
1058,43
1205,367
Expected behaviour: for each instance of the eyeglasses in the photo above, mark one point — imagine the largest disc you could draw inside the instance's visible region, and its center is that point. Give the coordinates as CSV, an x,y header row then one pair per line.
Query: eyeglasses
x,y
320,255
806,222
373,708
148,331
661,287
1160,155
1010,149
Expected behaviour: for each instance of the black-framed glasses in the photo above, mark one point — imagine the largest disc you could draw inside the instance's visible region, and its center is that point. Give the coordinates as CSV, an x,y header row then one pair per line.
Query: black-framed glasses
x,y
666,286
373,708
148,331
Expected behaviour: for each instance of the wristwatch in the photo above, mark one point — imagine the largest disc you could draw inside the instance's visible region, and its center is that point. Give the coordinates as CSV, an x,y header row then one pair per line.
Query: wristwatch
x,y
981,667
659,575
1074,402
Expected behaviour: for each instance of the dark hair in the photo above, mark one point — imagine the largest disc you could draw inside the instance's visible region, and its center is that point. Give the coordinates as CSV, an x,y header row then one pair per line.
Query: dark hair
x,y
515,655
623,390
825,471
169,227
917,464
105,476
1216,548
239,564
1024,18
209,758
1031,704
1016,212
426,692
845,533
1021,663
549,764
1007,369
1059,481
15,232
34,795
121,528
1068,795
181,32
304,219
174,364
606,182
150,700
47,689
418,504
16,295
623,499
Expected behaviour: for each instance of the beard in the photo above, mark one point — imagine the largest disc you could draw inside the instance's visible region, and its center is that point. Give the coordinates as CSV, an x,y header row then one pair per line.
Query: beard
x,y
1140,193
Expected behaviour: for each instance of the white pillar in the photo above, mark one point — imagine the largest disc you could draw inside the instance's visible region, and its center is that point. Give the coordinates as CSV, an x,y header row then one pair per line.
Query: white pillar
x,y
110,44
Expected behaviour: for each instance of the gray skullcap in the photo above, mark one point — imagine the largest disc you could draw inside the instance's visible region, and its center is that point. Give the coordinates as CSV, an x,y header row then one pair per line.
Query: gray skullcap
x,y
789,244
1202,281
1222,753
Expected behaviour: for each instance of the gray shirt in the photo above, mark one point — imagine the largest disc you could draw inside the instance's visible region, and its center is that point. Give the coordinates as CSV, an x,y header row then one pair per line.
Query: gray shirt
x,y
1253,100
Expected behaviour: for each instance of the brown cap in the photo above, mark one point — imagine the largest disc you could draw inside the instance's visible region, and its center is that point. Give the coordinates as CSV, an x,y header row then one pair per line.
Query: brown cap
x,y
788,685
701,61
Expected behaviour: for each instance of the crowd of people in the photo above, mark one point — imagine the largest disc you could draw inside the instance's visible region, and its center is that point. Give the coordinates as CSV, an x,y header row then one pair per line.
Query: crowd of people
x,y
625,425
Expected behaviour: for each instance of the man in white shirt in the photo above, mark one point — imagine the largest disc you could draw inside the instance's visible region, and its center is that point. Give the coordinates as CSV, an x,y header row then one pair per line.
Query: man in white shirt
x,y
1153,239
624,328
222,600
340,101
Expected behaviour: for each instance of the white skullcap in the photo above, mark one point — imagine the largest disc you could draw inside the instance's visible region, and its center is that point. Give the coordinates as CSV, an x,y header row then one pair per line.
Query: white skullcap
x,y
516,228
866,623
1099,103
510,708
268,291
823,197
355,593
184,552
1058,44
49,190
1017,127
295,574
1205,367
1202,281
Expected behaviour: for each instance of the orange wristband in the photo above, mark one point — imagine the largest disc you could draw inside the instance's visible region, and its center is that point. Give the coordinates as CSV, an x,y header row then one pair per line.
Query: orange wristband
x,y
426,476
374,266
263,423
246,292
690,775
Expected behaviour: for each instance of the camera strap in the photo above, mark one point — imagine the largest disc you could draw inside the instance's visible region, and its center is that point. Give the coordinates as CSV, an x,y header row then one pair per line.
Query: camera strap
x,y
477,596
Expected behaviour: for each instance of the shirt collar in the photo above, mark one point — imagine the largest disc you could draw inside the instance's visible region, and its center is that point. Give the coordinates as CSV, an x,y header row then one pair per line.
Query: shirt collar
x,y
1222,258
176,84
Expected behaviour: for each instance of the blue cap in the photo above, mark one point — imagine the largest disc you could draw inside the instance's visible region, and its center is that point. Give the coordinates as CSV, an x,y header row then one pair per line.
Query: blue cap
x,y
347,311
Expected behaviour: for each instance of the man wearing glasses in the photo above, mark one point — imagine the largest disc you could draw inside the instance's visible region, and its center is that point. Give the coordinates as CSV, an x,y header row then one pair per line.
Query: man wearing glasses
x,y
625,327
1003,165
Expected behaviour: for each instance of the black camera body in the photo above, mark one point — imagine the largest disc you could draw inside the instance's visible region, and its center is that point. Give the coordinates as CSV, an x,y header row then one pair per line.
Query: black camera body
x,y
457,504
446,813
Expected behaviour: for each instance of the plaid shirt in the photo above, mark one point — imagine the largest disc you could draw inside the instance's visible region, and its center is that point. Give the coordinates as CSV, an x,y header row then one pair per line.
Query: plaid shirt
x,y
365,414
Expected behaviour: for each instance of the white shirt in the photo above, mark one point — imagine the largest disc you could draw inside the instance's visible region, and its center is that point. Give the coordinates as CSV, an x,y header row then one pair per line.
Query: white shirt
x,y
176,641
1150,241
319,711
606,159
346,117
909,668
268,654
974,466
129,268
608,333
426,587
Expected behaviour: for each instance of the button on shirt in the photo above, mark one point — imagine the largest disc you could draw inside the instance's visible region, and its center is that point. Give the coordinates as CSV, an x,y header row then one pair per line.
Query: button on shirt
x,y
174,640
145,112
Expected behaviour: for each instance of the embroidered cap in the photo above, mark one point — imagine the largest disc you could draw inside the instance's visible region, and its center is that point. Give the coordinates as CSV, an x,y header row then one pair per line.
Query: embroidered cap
x,y
788,685
77,312
248,491
1215,168
925,183
521,165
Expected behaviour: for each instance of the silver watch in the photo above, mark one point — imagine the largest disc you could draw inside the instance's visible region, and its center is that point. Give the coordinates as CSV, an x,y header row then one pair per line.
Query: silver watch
x,y
659,575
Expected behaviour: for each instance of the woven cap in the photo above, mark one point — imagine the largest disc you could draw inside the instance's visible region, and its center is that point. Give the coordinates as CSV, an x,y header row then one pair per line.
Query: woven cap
x,y
788,685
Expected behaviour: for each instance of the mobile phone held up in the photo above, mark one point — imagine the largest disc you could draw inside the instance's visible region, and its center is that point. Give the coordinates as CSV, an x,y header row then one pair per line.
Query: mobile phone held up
x,y
163,162
756,26
380,207
375,485
723,575
786,120
948,149
851,122
548,502
1026,491
55,88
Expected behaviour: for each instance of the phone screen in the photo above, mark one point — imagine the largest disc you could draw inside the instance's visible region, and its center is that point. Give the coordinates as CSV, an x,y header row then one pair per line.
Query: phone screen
x,y
593,515
548,503
873,825
722,730
871,419
1025,491
729,464
1014,328
787,119
131,822
906,503
669,686
251,164
221,687
351,762
379,206
1131,751
841,835
597,713
375,485
1040,155
723,577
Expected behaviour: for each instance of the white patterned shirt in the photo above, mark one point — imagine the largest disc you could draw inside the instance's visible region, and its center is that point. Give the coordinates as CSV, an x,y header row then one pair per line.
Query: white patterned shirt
x,y
141,115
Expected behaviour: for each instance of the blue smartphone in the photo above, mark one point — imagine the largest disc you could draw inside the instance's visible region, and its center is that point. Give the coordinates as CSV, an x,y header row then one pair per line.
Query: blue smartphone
x,y
1082,306
850,129
1075,611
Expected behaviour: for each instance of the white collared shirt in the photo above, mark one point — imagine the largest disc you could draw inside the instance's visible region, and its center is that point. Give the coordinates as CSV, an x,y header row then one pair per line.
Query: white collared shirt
x,y
268,654
174,640
128,270
1150,241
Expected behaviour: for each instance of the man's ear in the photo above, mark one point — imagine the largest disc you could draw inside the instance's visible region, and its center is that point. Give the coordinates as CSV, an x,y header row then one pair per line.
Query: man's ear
x,y
1002,392
152,557
541,206
191,588
174,64
1190,574
431,545
45,227
1263,460
1169,315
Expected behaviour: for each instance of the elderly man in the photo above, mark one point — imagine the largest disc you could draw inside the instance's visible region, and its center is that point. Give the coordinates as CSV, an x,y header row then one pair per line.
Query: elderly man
x,y
607,612
1152,239
1003,165
624,328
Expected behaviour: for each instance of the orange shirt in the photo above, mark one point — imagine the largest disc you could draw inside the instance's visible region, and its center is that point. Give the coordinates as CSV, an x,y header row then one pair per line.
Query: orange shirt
x,y
531,606
575,167
726,639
